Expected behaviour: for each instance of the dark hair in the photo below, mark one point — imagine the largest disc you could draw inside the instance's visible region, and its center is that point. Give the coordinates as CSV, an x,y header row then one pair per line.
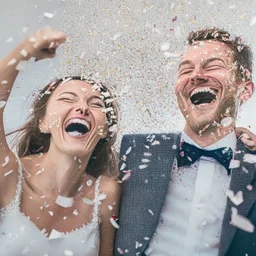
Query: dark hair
x,y
31,141
243,56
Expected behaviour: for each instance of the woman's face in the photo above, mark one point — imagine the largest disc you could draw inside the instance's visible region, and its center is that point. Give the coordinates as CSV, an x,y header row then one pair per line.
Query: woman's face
x,y
75,118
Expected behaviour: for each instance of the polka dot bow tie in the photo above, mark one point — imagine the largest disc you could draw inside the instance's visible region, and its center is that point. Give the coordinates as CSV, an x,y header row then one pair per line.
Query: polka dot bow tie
x,y
189,154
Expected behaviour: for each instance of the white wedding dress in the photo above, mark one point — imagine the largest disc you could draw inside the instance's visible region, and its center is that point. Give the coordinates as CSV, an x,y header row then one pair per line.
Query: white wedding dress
x,y
19,236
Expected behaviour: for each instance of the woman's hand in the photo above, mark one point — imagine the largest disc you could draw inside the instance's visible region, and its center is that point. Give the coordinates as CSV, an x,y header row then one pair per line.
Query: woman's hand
x,y
247,137
43,43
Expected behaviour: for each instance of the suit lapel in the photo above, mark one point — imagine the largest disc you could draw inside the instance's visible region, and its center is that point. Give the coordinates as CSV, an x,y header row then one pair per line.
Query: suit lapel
x,y
159,173
240,179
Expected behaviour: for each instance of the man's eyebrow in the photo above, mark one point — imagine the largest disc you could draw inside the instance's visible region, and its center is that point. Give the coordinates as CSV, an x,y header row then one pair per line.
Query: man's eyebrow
x,y
214,59
185,62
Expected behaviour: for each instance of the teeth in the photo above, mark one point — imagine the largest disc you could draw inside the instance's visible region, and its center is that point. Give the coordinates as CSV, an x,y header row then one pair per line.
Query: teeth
x,y
75,134
204,89
79,121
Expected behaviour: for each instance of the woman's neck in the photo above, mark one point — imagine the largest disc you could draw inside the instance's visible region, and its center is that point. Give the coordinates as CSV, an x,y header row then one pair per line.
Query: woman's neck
x,y
59,174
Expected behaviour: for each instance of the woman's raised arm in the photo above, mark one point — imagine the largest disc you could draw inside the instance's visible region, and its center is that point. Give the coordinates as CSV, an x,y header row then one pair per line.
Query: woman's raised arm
x,y
39,45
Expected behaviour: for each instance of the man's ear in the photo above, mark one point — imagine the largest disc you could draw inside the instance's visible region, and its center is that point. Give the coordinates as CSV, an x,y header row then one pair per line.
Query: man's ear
x,y
247,91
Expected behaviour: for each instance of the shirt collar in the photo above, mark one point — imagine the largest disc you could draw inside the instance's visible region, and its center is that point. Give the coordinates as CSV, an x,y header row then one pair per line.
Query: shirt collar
x,y
228,141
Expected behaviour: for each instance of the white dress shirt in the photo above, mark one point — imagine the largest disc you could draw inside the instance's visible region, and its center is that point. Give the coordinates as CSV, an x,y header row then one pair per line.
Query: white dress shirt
x,y
192,215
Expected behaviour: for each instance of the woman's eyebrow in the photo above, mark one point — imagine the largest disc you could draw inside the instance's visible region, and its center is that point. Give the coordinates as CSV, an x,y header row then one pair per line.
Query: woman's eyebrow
x,y
72,93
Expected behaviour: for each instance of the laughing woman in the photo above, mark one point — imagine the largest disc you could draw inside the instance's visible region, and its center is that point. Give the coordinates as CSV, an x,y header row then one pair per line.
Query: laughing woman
x,y
53,197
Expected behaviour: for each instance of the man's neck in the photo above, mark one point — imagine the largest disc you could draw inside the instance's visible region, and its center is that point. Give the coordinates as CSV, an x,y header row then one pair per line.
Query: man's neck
x,y
208,138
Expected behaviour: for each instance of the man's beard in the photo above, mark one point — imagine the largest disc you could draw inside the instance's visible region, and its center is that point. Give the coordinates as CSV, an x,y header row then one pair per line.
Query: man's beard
x,y
226,108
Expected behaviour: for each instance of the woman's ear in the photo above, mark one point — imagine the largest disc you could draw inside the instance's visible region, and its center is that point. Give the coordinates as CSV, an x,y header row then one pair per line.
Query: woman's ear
x,y
43,127
103,131
247,91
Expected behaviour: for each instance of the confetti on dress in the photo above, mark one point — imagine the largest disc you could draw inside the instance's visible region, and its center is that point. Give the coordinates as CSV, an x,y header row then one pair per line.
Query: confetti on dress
x,y
127,175
151,212
237,198
234,164
64,201
240,221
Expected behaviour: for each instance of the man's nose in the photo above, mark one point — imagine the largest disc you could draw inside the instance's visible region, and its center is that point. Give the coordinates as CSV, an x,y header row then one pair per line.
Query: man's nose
x,y
198,76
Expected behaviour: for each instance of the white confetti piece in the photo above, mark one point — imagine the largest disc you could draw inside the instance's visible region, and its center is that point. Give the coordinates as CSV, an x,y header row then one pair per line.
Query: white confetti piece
x,y
237,198
4,82
11,62
146,238
24,53
110,207
68,253
89,183
232,7
249,158
147,154
226,121
102,196
148,251
9,40
234,164
56,234
116,36
51,213
165,46
24,29
127,175
128,151
249,187
82,55
145,160
6,161
64,201
21,65
156,142
151,212
113,222
143,166
120,251
49,15
122,166
138,245
253,21
75,212
240,221
171,55
7,173
210,2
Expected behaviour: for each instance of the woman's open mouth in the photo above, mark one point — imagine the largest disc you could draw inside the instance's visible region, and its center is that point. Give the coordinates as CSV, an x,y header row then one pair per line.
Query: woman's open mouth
x,y
77,127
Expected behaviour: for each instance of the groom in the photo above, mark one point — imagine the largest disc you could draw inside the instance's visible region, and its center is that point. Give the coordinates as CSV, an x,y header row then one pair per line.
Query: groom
x,y
194,193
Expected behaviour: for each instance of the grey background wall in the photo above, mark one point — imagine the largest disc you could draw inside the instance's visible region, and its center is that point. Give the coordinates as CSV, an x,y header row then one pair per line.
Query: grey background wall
x,y
132,44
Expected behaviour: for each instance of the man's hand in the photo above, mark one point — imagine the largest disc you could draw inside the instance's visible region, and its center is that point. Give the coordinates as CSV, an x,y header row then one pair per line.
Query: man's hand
x,y
247,137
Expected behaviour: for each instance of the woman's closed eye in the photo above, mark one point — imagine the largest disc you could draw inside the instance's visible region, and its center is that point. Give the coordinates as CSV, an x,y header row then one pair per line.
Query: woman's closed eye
x,y
95,102
67,99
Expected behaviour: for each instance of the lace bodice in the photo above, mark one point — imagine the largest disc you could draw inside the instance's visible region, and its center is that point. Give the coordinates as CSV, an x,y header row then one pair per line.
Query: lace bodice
x,y
20,236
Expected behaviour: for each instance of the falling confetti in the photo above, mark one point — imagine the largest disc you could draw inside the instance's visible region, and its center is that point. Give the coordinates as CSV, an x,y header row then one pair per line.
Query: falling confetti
x,y
237,198
240,221
49,15
253,21
6,161
113,220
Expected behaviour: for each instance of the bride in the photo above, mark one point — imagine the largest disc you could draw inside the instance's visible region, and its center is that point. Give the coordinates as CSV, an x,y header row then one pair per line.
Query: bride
x,y
53,197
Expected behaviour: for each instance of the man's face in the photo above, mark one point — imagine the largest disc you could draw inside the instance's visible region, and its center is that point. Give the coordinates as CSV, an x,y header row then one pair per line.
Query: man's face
x,y
206,87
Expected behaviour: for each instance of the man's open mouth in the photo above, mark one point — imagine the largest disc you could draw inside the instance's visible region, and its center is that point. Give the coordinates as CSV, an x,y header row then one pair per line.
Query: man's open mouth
x,y
204,96
77,127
